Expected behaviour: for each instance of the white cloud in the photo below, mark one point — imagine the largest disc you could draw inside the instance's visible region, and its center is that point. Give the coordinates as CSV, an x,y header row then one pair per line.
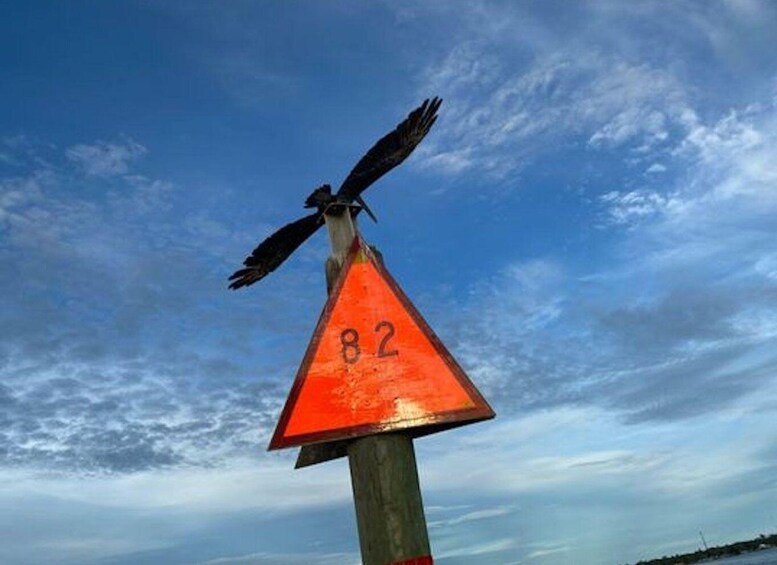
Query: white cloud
x,y
729,138
46,211
655,168
271,484
496,332
8,159
34,220
480,548
719,205
625,208
684,303
111,263
499,115
588,450
475,515
105,159
548,551
729,187
516,87
287,559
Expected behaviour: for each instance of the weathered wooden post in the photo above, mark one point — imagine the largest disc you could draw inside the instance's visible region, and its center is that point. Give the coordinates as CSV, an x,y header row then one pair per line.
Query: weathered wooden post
x,y
387,497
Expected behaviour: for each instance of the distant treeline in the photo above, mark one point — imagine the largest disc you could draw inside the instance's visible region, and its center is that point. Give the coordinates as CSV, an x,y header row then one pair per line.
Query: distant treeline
x,y
719,552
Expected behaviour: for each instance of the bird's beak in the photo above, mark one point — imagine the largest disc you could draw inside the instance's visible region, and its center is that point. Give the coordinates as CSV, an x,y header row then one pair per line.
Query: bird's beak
x,y
366,208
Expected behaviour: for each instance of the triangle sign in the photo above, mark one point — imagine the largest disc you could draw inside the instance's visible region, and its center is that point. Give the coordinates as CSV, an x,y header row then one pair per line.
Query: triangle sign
x,y
373,365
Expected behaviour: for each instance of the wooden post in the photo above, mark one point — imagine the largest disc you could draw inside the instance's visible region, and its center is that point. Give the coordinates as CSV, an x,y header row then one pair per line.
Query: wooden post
x,y
384,476
387,496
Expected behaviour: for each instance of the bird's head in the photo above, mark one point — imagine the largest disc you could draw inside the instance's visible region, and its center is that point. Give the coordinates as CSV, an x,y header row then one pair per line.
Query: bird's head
x,y
320,197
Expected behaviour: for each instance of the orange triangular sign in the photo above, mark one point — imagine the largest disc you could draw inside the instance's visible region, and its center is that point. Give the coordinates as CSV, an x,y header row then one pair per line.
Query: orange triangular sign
x,y
373,365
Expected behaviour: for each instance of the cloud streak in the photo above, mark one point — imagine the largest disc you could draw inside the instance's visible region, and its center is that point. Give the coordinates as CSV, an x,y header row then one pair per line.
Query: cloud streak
x,y
105,159
87,385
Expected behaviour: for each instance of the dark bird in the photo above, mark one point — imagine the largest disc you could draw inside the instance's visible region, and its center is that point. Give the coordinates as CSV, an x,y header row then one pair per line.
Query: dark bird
x,y
386,154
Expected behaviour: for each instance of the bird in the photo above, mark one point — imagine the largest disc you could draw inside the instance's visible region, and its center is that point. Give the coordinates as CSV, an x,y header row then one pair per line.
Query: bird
x,y
391,150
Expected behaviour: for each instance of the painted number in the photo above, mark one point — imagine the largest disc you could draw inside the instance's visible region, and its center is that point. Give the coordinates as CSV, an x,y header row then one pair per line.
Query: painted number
x,y
382,352
349,339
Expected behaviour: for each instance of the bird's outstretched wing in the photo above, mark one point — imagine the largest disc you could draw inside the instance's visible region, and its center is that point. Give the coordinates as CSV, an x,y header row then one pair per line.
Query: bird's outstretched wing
x,y
391,150
274,250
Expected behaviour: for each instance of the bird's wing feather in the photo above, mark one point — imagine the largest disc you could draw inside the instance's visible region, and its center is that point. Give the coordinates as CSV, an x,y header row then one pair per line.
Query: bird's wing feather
x,y
391,150
274,250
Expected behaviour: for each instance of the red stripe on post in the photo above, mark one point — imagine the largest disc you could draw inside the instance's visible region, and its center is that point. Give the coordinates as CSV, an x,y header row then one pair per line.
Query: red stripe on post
x,y
425,560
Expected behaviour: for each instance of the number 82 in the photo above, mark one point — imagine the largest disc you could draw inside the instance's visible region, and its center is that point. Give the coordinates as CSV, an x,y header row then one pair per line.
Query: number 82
x,y
349,339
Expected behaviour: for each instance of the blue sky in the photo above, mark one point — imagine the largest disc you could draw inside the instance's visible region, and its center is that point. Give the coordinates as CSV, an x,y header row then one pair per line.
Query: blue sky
x,y
590,228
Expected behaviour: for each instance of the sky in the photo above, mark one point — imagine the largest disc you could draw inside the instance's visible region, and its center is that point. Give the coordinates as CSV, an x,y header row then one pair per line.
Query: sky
x,y
590,228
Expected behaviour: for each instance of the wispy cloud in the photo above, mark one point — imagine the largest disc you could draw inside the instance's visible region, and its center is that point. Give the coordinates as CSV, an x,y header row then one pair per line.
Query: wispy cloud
x,y
87,385
588,450
482,548
630,207
105,159
287,559
548,551
682,308
475,515
501,114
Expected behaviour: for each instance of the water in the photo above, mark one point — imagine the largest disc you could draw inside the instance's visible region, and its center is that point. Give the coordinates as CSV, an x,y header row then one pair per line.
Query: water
x,y
766,557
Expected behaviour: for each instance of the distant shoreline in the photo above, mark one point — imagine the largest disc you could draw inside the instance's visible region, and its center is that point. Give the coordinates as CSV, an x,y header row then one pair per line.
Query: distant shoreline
x,y
760,543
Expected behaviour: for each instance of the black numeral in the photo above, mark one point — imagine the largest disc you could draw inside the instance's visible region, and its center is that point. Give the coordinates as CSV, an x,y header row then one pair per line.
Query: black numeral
x,y
350,339
382,351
